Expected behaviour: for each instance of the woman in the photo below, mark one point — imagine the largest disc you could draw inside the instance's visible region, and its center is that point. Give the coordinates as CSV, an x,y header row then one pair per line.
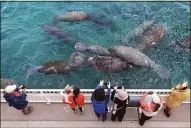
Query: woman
x,y
16,97
177,96
120,97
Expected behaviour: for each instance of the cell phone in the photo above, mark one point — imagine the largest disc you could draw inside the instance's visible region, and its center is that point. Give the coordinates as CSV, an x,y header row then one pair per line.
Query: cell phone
x,y
22,87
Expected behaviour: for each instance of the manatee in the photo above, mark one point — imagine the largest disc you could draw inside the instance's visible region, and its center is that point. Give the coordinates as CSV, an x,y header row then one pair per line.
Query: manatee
x,y
95,49
71,17
51,67
77,59
100,19
137,58
151,37
54,31
108,64
137,31
102,63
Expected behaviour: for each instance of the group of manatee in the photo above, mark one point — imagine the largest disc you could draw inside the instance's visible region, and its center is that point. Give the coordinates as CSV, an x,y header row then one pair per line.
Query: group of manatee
x,y
114,59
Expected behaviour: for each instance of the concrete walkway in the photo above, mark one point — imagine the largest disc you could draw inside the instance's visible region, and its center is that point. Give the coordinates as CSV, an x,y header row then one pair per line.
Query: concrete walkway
x,y
53,115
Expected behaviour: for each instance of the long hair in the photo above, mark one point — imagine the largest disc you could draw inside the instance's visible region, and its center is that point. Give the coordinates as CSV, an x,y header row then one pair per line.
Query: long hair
x,y
76,92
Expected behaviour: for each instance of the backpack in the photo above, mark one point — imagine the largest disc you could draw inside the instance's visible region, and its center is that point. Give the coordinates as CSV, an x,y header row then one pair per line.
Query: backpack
x,y
99,106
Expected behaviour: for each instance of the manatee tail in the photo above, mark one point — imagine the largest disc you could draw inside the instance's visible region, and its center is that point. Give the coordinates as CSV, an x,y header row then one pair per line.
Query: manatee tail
x,y
30,69
161,71
80,47
77,59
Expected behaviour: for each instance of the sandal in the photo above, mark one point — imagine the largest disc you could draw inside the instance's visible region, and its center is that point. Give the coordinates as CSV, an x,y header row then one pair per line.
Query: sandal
x,y
30,108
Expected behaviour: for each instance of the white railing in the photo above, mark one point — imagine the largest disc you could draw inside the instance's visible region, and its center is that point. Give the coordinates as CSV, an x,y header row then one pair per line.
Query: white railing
x,y
53,95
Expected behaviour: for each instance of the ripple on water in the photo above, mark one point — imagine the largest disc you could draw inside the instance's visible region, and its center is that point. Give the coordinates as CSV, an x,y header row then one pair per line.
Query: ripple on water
x,y
23,41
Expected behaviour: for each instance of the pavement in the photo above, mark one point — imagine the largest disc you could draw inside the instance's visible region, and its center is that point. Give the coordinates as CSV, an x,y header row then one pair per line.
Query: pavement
x,y
53,116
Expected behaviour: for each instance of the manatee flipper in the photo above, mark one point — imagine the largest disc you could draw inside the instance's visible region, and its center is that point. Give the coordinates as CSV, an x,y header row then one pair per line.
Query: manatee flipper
x,y
77,59
30,69
161,71
80,47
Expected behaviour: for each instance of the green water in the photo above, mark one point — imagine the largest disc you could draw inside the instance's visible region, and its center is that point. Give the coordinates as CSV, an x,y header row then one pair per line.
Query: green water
x,y
23,41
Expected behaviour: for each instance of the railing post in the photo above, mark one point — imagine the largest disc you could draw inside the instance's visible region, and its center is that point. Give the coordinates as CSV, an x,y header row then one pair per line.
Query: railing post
x,y
47,100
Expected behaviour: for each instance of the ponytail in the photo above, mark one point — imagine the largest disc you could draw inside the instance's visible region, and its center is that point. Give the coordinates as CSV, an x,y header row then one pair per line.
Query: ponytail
x,y
76,92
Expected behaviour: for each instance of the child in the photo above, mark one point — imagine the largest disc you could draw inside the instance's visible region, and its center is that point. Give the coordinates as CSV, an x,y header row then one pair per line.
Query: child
x,y
77,101
65,95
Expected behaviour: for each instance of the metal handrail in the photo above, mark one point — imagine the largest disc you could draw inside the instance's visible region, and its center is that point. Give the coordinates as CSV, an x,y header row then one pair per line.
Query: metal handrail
x,y
53,95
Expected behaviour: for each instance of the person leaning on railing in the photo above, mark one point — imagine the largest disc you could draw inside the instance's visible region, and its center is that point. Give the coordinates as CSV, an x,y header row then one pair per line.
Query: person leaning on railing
x,y
78,100
177,96
100,100
120,97
16,97
151,103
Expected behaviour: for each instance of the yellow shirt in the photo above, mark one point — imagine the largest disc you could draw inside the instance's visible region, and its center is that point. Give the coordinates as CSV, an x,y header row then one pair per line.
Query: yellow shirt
x,y
177,97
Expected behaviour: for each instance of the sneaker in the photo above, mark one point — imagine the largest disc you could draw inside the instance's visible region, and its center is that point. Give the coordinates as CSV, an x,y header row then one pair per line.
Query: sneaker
x,y
75,110
104,119
66,109
82,112
30,109
166,113
25,112
110,109
140,123
99,118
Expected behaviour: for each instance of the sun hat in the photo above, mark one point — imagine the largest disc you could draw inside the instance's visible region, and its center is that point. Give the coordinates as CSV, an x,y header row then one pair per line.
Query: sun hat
x,y
121,94
10,88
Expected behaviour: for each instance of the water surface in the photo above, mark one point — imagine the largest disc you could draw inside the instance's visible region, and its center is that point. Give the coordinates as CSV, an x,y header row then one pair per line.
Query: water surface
x,y
23,41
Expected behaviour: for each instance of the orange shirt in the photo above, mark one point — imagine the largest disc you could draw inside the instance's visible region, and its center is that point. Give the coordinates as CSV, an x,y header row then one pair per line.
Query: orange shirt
x,y
79,101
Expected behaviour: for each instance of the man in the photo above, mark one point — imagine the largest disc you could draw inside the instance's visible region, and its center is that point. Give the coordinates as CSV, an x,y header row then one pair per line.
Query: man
x,y
177,96
100,100
16,97
151,103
